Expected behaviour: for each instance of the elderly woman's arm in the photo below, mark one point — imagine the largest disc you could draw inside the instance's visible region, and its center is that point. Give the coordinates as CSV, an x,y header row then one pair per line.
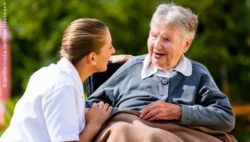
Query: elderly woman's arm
x,y
211,109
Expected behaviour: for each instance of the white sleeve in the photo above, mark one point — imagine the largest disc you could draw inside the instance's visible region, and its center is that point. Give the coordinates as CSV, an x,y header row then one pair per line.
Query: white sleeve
x,y
61,114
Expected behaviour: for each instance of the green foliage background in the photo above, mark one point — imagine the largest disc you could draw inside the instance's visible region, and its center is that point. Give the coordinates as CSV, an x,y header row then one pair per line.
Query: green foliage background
x,y
222,42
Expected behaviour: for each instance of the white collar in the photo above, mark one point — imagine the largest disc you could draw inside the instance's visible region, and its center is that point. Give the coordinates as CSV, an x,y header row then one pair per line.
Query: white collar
x,y
65,65
184,67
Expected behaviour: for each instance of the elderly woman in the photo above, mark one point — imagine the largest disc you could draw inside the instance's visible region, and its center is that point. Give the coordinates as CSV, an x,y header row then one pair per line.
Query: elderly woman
x,y
166,86
52,107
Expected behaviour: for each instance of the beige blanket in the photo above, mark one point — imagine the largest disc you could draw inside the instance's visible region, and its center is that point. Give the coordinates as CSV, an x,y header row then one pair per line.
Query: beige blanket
x,y
126,126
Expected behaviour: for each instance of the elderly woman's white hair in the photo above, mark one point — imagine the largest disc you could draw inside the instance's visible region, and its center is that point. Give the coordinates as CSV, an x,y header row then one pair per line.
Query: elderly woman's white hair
x,y
177,16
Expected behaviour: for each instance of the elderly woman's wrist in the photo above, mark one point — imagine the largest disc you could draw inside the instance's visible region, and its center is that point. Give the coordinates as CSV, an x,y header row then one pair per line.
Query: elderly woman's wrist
x,y
178,112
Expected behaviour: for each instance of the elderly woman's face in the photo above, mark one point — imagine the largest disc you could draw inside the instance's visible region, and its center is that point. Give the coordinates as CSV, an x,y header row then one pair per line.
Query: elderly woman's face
x,y
165,46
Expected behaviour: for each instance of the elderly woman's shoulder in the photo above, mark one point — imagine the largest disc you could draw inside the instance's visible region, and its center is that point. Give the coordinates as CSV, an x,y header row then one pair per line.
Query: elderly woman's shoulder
x,y
197,66
135,61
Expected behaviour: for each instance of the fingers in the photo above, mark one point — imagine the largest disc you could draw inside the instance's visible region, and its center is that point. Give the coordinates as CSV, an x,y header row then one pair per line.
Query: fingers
x,y
109,110
155,117
94,105
86,110
148,112
153,111
120,58
144,113
127,57
102,105
150,115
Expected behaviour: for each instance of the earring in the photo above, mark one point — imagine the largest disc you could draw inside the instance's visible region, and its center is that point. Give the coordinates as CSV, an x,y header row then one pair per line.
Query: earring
x,y
94,63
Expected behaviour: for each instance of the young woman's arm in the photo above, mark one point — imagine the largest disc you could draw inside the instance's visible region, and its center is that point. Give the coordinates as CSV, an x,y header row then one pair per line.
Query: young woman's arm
x,y
120,58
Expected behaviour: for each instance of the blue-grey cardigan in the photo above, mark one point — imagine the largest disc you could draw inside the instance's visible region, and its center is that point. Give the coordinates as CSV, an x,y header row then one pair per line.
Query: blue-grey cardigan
x,y
202,103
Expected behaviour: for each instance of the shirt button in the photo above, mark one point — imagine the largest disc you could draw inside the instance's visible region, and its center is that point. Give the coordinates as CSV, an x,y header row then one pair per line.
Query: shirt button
x,y
164,81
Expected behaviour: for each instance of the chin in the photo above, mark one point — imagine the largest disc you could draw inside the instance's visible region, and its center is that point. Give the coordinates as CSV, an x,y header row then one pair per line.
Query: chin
x,y
102,69
155,62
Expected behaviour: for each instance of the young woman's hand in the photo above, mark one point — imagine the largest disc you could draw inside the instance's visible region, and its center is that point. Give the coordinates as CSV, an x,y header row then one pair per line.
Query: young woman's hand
x,y
120,58
98,114
95,117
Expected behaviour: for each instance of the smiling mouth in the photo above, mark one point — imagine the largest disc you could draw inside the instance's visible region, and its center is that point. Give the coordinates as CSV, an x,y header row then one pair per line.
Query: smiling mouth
x,y
158,55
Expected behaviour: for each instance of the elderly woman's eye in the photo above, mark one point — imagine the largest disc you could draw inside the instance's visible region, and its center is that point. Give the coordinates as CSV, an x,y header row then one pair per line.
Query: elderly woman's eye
x,y
154,35
166,39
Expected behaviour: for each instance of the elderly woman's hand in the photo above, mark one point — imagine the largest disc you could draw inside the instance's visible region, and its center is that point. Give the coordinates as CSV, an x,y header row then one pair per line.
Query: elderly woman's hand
x,y
120,58
161,110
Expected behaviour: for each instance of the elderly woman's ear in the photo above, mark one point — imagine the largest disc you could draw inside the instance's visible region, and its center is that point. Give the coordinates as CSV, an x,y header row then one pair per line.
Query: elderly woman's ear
x,y
120,58
187,45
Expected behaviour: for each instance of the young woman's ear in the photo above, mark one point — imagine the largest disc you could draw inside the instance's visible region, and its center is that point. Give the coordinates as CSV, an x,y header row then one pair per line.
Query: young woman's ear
x,y
91,58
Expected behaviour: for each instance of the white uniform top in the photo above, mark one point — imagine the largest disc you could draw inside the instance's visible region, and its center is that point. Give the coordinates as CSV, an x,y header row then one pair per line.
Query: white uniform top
x,y
52,107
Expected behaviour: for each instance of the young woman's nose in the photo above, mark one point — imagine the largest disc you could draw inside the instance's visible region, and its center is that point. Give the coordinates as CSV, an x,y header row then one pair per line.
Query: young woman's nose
x,y
113,50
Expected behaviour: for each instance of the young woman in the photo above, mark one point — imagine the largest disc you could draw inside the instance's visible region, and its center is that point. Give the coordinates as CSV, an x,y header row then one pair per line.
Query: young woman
x,y
52,107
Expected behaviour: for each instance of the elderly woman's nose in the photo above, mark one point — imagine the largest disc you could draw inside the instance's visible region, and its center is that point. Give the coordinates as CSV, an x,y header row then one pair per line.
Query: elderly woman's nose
x,y
157,44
